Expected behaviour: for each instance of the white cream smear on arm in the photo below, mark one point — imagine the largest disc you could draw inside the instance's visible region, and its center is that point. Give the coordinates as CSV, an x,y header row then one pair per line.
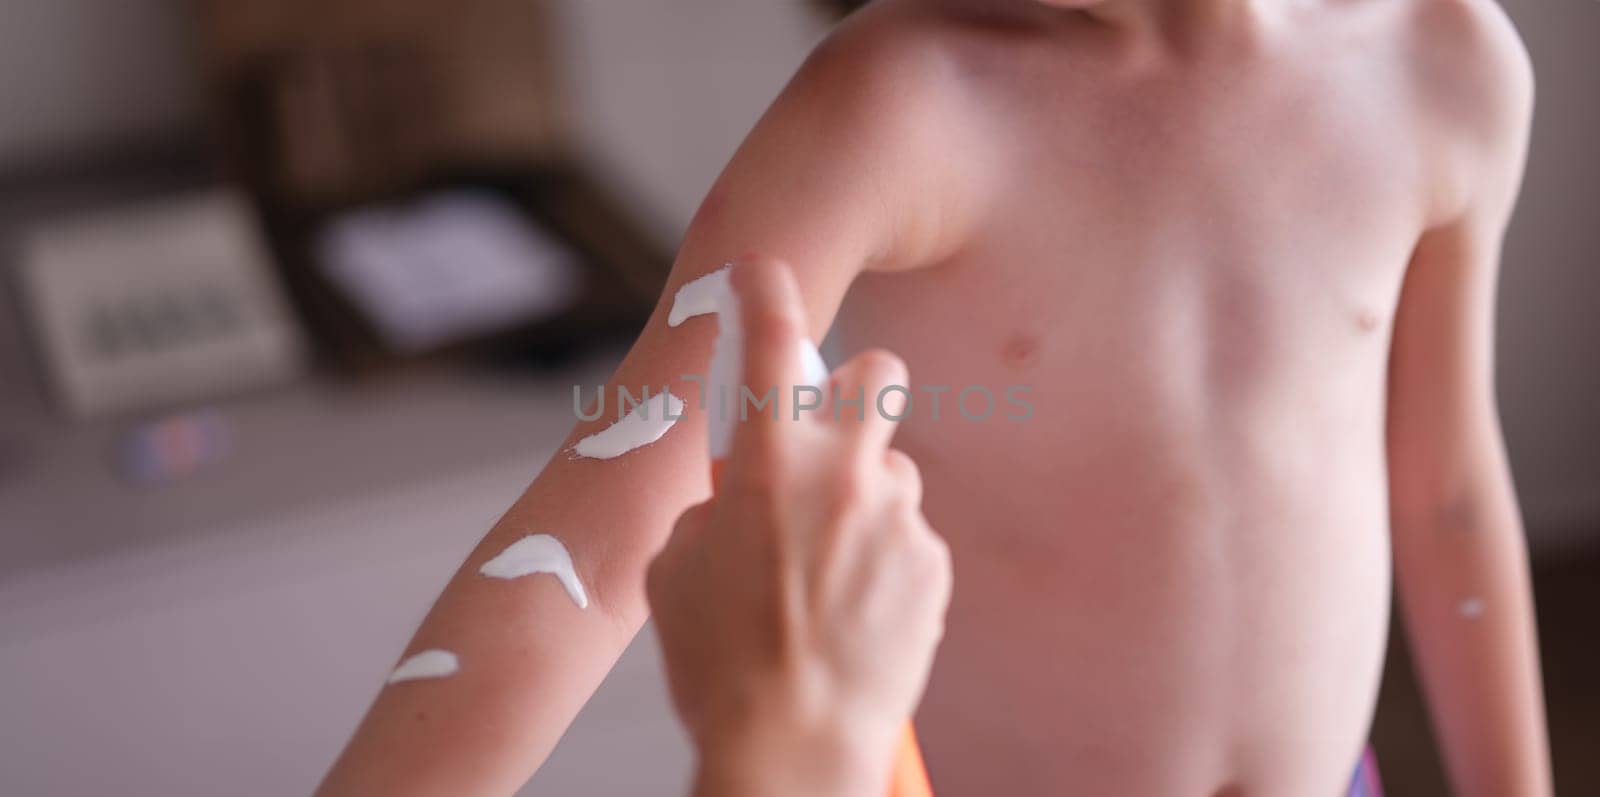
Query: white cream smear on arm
x,y
639,428
1471,608
700,296
538,553
433,663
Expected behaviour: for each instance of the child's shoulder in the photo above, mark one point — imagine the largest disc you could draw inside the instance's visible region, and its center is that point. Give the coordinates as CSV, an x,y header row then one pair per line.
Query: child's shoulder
x,y
1470,60
904,73
1473,83
861,141
1465,23
888,52
890,92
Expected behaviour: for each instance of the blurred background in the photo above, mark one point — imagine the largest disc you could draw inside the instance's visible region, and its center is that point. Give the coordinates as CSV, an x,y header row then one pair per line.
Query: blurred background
x,y
292,297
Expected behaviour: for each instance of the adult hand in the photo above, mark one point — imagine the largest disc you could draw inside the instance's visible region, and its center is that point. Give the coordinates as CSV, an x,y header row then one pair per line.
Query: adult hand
x,y
799,609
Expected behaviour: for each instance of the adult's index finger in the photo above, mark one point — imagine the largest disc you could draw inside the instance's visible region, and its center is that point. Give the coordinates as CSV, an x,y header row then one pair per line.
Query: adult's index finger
x,y
773,328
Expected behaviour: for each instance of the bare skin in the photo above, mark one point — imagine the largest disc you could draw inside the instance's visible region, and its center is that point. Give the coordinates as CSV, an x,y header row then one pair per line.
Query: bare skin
x,y
1244,254
1198,268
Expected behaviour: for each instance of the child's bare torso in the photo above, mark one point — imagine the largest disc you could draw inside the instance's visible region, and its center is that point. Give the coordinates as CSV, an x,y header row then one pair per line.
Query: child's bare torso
x,y
1173,579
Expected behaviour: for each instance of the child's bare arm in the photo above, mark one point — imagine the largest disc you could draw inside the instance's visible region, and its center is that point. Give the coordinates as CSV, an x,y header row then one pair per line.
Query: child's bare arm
x,y
828,181
1460,556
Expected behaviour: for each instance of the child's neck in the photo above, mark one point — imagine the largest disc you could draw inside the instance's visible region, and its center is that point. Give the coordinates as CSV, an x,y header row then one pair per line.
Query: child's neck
x,y
1187,25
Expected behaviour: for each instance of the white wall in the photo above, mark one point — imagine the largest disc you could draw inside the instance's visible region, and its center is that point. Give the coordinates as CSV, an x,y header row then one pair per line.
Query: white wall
x,y
1549,326
665,91
77,74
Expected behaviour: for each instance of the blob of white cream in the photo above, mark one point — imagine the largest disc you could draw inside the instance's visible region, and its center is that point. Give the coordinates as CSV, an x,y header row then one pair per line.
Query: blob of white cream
x,y
639,428
433,663
1471,608
538,553
699,296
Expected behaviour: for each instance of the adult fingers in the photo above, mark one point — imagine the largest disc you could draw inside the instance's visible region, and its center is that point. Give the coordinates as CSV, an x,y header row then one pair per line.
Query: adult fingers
x,y
868,396
684,543
771,318
905,476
